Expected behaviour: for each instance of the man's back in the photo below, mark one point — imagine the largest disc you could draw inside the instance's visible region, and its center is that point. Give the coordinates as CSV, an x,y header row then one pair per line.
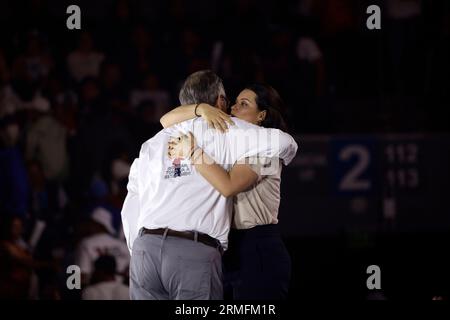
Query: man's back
x,y
171,193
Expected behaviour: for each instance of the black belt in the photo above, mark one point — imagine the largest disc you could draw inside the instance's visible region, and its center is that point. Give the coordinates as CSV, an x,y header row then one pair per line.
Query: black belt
x,y
191,235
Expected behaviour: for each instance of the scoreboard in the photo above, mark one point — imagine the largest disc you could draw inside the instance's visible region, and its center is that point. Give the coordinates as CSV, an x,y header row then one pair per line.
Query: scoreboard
x,y
391,182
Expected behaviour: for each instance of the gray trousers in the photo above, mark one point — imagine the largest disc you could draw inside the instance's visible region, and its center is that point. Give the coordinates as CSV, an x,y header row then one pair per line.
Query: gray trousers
x,y
166,267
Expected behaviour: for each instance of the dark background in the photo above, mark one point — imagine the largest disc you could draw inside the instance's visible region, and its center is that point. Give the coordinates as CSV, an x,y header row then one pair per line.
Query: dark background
x,y
384,92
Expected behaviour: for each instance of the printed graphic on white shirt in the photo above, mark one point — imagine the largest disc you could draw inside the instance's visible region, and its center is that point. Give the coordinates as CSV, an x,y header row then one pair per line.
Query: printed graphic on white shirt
x,y
177,169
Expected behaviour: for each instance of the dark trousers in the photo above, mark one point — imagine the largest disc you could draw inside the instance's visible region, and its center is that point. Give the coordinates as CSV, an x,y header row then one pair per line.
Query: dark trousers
x,y
257,265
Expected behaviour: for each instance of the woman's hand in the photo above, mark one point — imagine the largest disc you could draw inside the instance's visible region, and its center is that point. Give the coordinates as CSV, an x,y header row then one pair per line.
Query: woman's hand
x,y
215,117
182,146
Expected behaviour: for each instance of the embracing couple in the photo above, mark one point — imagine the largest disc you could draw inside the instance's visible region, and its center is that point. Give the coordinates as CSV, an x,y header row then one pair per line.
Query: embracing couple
x,y
201,213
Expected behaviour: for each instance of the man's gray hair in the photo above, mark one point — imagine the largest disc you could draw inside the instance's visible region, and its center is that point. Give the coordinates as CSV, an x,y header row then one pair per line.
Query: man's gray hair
x,y
201,87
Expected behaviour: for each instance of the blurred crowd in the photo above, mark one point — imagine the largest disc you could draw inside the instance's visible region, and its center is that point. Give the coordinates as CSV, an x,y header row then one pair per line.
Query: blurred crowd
x,y
75,106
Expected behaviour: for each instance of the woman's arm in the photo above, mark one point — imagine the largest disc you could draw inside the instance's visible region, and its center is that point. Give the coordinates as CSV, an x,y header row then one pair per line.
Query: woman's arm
x,y
214,116
179,114
240,178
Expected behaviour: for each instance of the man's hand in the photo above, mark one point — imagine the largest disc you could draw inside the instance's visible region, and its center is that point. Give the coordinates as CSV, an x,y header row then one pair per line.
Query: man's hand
x,y
182,146
216,118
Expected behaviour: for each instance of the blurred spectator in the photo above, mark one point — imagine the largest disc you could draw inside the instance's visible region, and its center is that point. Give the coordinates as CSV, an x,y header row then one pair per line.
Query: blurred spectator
x,y
8,99
115,35
90,103
151,91
104,285
403,19
44,197
120,168
309,79
308,50
145,126
144,10
65,109
114,93
144,54
16,262
14,187
29,70
339,26
98,189
17,265
111,81
101,241
279,58
38,60
24,91
194,55
403,9
103,128
46,142
100,196
181,11
85,61
9,102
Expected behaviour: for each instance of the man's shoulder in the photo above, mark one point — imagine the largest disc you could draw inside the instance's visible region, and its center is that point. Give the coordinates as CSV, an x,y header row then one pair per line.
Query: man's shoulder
x,y
146,145
186,124
170,130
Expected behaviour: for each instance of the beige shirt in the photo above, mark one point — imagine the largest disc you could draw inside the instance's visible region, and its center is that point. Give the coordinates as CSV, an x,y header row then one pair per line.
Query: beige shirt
x,y
259,205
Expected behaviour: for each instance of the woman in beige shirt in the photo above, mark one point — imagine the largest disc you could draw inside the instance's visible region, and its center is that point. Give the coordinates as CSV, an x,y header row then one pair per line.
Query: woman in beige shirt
x,y
257,264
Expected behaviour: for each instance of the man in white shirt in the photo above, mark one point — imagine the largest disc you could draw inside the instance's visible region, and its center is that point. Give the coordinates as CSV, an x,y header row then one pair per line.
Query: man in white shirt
x,y
176,224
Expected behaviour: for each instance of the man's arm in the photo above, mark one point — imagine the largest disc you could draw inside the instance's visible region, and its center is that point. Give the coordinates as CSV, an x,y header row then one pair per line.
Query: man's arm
x,y
130,209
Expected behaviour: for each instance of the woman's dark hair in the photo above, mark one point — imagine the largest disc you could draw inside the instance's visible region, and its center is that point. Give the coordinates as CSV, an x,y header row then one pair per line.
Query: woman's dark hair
x,y
268,99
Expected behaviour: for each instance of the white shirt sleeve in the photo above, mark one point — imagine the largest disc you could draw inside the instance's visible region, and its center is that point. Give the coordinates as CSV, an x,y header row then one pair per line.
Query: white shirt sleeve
x,y
262,142
130,209
288,147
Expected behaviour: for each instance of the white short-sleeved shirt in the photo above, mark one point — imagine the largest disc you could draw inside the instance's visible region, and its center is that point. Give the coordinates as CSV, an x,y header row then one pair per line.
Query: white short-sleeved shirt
x,y
164,193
